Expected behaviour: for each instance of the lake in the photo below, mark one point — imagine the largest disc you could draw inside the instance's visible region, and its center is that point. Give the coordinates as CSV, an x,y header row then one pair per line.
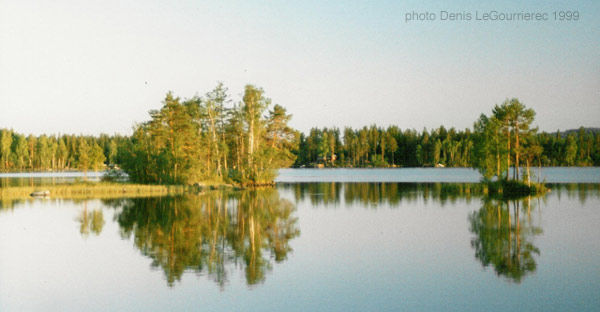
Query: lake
x,y
411,175
46,178
548,174
323,246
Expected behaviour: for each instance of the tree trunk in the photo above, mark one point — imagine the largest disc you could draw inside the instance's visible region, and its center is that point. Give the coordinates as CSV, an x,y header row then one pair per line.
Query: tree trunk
x,y
175,172
517,151
508,154
213,131
497,155
528,174
499,217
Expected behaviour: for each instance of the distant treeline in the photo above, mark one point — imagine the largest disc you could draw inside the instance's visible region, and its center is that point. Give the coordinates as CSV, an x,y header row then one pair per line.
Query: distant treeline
x,y
208,138
367,147
57,152
392,147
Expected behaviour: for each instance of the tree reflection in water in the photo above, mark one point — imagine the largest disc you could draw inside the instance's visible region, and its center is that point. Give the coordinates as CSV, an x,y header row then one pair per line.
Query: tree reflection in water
x,y
90,221
211,233
218,232
503,229
370,195
503,238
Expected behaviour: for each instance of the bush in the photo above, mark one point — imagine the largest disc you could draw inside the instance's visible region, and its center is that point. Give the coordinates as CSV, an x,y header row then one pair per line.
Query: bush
x,y
515,188
114,175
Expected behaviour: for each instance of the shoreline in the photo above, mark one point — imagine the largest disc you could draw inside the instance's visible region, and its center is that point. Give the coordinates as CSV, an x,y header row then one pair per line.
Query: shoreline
x,y
109,190
91,190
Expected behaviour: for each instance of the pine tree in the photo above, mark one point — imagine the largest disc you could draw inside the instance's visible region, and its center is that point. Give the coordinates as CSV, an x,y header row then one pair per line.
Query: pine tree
x,y
5,149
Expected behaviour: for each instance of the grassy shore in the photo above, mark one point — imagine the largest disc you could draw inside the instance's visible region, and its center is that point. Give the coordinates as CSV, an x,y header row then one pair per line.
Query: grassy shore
x,y
93,190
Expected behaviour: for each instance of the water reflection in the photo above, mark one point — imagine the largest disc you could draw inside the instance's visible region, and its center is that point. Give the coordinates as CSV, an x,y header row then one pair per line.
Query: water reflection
x,y
504,232
207,234
20,181
503,229
10,203
576,190
218,233
373,194
47,178
90,221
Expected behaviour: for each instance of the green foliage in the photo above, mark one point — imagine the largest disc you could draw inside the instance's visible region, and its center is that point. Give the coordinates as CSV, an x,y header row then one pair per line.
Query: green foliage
x,y
97,157
5,148
193,141
166,148
514,189
58,153
489,147
114,175
378,147
496,144
378,161
21,155
83,155
504,140
281,140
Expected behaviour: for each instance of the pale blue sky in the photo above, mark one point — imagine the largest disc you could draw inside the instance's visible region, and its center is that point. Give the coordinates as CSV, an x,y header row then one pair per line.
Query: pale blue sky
x,y
82,66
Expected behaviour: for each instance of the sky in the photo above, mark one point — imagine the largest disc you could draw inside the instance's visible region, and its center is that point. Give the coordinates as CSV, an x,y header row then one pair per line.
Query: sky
x,y
90,67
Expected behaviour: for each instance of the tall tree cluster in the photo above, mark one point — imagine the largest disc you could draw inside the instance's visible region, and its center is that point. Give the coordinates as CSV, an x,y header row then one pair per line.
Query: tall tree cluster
x,y
505,141
203,138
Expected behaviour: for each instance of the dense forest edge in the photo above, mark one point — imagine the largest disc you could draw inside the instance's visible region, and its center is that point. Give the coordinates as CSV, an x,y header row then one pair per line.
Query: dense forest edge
x,y
212,139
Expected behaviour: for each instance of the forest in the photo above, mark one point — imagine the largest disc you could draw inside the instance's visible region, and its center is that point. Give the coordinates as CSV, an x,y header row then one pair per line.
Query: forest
x,y
213,138
375,146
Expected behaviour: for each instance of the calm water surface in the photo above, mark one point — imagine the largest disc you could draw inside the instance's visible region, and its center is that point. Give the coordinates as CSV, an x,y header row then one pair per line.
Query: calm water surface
x,y
305,246
464,175
46,178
